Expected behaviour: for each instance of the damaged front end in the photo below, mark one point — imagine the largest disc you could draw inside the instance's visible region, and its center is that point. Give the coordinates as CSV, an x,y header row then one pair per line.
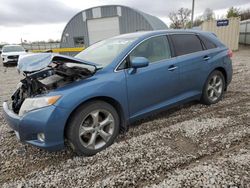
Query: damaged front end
x,y
45,72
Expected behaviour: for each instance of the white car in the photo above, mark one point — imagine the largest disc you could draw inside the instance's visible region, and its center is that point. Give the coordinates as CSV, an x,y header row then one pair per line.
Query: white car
x,y
11,53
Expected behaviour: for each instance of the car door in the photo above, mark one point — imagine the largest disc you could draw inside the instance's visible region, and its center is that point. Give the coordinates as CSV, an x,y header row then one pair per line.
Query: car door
x,y
193,63
152,88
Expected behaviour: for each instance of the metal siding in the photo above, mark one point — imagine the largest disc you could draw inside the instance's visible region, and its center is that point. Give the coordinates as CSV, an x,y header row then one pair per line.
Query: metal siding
x,y
131,21
75,28
245,32
155,22
229,35
247,39
109,11
89,14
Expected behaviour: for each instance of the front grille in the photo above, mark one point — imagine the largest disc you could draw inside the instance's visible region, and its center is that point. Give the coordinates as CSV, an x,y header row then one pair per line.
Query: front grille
x,y
13,57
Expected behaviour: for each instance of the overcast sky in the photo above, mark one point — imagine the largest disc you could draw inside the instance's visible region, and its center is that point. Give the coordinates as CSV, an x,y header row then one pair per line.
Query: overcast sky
x,y
34,20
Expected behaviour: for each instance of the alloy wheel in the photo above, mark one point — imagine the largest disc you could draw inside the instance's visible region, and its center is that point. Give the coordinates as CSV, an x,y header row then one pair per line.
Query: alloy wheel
x,y
96,129
215,88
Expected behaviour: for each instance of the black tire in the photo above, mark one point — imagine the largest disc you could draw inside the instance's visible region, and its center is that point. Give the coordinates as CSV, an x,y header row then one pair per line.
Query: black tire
x,y
205,98
76,120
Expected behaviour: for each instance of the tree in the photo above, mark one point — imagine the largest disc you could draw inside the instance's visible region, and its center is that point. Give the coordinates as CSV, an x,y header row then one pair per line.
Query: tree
x,y
180,18
198,21
233,12
245,14
208,14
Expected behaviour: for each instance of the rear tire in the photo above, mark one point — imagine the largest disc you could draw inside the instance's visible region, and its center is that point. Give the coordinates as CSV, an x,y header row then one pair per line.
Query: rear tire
x,y
92,127
214,88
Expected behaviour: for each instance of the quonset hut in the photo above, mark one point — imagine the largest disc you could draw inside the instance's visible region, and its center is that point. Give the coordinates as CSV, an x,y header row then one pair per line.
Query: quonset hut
x,y
98,23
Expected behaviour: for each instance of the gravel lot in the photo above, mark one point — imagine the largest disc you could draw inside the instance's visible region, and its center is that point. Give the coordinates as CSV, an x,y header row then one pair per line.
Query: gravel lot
x,y
191,145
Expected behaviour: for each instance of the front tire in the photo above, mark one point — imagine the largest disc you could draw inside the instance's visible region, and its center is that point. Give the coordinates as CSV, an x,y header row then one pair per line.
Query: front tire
x,y
92,128
214,88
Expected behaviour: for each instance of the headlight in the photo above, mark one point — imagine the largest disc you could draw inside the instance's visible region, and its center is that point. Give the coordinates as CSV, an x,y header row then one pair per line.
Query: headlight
x,y
35,103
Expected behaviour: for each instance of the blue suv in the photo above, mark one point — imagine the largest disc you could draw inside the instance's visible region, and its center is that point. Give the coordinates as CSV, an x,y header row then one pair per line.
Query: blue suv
x,y
88,99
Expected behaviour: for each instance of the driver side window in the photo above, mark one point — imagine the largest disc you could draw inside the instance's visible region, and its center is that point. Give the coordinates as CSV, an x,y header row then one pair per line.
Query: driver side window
x,y
154,49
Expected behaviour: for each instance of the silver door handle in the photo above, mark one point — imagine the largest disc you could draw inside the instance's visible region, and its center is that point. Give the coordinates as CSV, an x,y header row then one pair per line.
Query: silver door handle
x,y
172,68
206,58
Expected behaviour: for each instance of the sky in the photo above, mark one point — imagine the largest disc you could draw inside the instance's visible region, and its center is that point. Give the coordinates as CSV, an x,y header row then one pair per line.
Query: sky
x,y
34,20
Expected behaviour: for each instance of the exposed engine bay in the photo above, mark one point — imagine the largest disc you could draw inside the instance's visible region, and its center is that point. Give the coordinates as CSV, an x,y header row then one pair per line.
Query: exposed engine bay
x,y
58,73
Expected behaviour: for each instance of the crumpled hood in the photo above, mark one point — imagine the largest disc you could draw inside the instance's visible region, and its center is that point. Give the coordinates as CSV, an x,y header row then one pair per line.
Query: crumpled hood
x,y
38,61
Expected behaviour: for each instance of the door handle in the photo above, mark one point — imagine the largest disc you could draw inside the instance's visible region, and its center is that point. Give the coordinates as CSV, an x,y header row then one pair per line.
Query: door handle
x,y
172,67
206,58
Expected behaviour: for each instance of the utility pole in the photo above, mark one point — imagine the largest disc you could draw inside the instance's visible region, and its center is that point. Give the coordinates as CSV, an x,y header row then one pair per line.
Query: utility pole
x,y
192,16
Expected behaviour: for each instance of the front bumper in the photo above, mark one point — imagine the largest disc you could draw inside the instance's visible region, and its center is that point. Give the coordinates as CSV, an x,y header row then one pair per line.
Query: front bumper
x,y
12,60
49,120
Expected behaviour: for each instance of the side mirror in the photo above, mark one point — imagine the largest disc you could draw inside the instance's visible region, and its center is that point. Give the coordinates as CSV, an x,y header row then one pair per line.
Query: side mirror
x,y
139,62
0,51
26,50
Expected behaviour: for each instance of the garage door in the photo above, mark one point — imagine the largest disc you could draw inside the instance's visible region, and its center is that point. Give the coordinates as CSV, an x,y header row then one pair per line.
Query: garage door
x,y
102,28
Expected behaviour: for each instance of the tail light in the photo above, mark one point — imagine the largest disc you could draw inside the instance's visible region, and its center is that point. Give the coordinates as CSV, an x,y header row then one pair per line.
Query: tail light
x,y
230,53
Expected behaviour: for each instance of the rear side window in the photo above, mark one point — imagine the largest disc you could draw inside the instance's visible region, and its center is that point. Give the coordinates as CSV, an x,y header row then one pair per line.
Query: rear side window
x,y
208,43
186,44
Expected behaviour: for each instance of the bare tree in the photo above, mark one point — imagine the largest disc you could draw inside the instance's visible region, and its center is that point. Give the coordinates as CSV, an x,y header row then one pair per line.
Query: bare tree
x,y
198,21
173,16
208,14
180,19
245,14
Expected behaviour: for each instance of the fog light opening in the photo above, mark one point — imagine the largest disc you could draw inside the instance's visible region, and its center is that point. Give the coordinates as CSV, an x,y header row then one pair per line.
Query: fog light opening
x,y
41,137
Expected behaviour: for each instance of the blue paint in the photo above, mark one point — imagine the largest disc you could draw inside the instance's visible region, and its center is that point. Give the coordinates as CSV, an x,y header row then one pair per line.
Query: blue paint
x,y
139,93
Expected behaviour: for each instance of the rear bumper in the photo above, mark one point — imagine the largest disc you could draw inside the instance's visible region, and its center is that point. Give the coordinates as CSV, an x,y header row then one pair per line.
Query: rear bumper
x,y
49,120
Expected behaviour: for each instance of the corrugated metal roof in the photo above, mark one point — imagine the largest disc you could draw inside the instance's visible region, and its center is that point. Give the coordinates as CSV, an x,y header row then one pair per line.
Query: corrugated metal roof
x,y
155,22
130,20
245,21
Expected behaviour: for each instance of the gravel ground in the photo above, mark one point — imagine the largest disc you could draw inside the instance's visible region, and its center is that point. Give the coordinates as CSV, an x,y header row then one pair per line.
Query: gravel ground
x,y
189,146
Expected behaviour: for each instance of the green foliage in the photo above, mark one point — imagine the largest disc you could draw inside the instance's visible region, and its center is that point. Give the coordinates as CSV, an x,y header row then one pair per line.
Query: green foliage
x,y
233,12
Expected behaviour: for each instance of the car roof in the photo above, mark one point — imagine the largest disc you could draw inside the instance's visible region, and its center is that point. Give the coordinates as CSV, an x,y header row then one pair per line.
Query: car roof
x,y
8,45
142,34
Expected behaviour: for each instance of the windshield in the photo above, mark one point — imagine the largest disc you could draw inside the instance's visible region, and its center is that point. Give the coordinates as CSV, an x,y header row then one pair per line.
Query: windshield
x,y
104,52
13,49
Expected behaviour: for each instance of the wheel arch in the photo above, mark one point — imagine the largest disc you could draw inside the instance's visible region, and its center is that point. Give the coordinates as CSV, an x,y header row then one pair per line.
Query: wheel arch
x,y
223,71
109,100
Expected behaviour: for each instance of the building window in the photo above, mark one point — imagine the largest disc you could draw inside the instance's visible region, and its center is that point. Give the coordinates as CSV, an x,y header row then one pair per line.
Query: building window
x,y
79,41
96,12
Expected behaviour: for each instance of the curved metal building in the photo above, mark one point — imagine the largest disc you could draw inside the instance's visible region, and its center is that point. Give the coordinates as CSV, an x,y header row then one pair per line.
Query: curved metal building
x,y
98,23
